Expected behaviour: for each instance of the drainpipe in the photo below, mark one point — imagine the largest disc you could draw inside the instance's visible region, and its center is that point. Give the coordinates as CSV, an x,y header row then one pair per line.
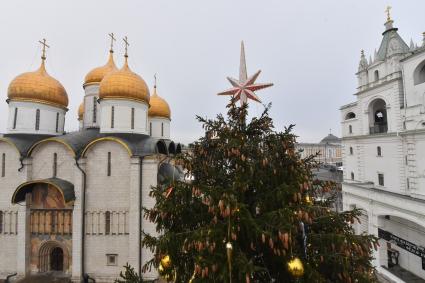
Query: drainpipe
x,y
140,215
83,224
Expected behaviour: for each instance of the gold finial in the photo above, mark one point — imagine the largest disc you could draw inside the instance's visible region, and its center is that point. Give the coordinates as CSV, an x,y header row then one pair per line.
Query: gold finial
x,y
388,10
111,35
126,46
43,55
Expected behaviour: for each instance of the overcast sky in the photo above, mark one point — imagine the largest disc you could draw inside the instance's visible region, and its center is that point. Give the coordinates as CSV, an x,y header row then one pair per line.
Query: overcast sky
x,y
309,49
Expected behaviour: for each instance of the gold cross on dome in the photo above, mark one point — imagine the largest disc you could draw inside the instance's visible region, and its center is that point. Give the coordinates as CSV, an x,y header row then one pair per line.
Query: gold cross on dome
x,y
43,55
126,46
388,10
111,35
155,79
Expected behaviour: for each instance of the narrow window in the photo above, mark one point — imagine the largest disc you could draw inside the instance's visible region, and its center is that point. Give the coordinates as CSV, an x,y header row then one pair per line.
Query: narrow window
x,y
15,118
3,165
150,128
376,74
55,164
109,164
57,122
378,151
351,150
112,116
53,222
352,175
107,223
162,129
95,109
380,179
132,118
1,221
37,119
350,129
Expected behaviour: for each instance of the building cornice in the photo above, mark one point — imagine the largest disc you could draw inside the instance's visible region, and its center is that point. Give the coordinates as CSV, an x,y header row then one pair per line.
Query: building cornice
x,y
384,83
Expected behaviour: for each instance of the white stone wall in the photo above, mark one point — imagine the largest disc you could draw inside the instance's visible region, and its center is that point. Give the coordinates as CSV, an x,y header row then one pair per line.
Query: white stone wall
x,y
160,127
104,193
91,116
122,116
9,236
26,118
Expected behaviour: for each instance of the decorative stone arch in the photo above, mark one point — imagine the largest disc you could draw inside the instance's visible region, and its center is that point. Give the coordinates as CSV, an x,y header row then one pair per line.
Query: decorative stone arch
x,y
350,115
67,146
172,148
378,115
45,252
113,139
419,74
11,144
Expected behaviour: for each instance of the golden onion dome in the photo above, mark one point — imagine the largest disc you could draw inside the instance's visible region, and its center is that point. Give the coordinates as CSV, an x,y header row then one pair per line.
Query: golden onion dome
x,y
81,111
124,84
38,87
97,74
158,106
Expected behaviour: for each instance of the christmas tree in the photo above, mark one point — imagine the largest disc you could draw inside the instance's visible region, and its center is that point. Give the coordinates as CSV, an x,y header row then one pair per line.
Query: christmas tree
x,y
250,211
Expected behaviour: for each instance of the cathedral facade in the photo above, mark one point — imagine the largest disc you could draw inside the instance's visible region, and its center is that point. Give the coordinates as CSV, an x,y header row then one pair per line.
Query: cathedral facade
x,y
72,202
384,154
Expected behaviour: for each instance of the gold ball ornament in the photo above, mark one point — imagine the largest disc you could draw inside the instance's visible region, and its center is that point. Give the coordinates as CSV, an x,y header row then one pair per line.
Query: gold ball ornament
x,y
295,267
166,262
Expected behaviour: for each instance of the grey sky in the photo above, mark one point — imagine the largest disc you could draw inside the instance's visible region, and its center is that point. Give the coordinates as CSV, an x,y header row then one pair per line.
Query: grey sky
x,y
309,49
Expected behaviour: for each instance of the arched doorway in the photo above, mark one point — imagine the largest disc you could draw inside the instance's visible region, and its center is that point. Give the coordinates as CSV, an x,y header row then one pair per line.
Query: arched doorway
x,y
56,259
378,122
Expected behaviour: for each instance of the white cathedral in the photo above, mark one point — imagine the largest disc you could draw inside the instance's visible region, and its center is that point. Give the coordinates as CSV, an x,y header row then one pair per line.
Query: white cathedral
x,y
384,154
72,202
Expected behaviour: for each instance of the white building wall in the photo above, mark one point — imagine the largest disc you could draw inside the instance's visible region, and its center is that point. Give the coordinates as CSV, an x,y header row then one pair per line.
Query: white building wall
x,y
107,193
26,118
160,127
91,106
122,116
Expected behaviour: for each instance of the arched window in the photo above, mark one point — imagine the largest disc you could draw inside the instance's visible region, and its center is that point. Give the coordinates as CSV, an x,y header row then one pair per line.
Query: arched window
x,y
419,74
376,75
132,118
1,222
350,115
53,222
107,223
350,129
37,119
57,122
162,129
15,117
351,150
150,128
352,175
378,151
55,164
378,116
95,109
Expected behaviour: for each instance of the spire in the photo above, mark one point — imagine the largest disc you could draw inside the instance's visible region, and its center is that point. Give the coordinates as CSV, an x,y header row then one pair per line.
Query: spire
x,y
389,22
370,60
242,67
412,45
363,62
154,86
423,40
375,55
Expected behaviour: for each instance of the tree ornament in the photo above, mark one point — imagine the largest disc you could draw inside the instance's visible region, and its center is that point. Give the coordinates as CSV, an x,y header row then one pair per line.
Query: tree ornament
x,y
229,250
166,262
295,267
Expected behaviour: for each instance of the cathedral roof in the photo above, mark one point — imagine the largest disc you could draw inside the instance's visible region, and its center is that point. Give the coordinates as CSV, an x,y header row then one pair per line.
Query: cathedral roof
x,y
158,106
392,43
38,86
137,144
330,139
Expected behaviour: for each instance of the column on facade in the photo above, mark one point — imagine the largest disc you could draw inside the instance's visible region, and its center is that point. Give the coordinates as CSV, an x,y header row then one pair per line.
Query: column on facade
x,y
134,244
149,177
373,230
77,220
24,216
